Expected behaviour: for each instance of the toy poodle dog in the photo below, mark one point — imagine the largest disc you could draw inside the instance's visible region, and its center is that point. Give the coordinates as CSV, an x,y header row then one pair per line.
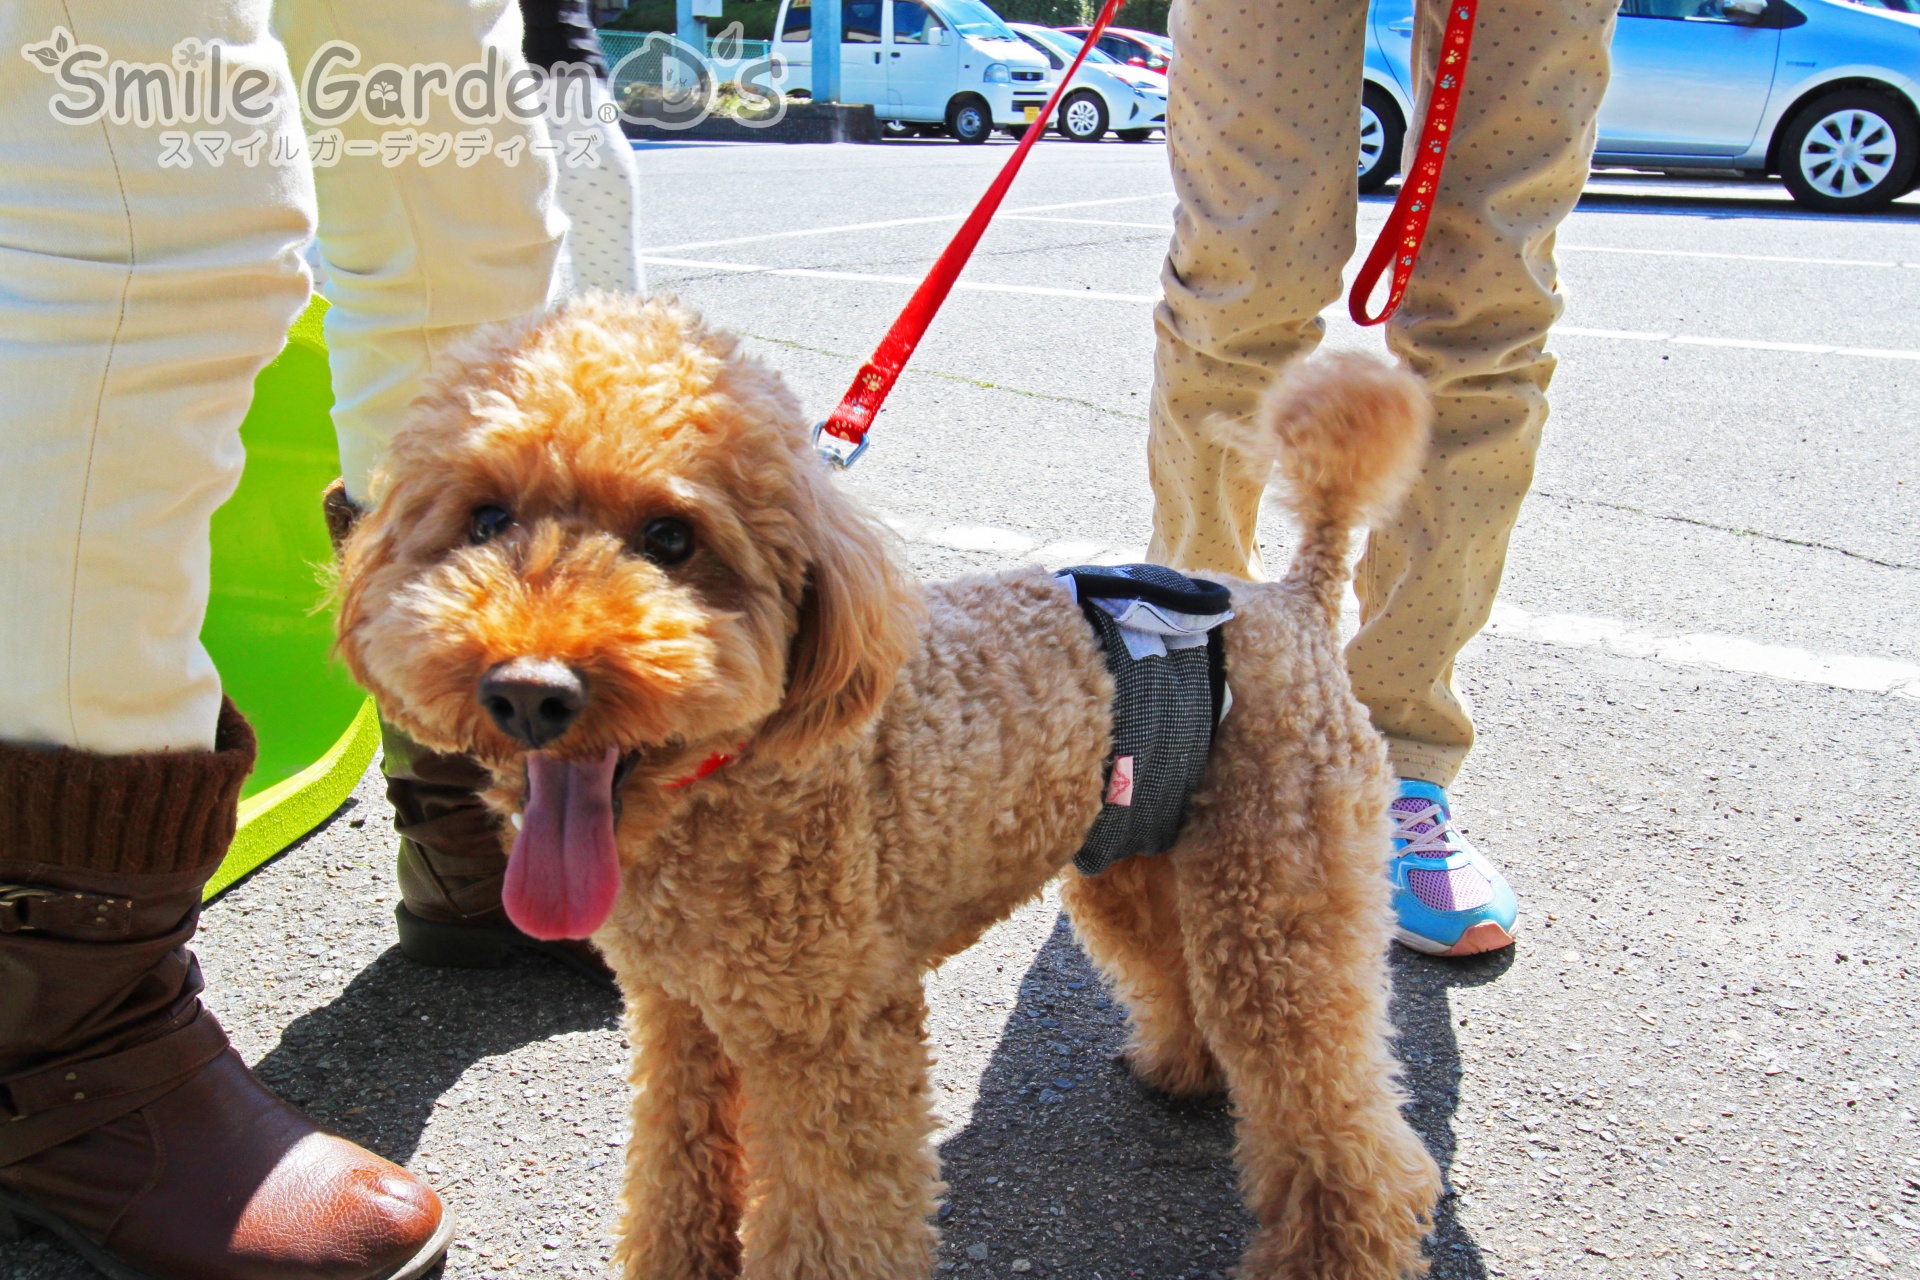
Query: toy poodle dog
x,y
777,782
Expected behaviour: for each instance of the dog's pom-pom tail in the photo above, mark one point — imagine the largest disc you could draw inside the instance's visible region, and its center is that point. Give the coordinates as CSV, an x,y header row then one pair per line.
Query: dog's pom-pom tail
x,y
1346,434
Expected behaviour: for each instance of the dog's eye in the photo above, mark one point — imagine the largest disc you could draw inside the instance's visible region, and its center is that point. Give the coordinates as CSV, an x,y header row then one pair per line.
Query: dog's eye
x,y
666,541
488,523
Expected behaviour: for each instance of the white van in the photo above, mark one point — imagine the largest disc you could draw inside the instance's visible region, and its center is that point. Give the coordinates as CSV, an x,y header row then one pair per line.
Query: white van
x,y
941,63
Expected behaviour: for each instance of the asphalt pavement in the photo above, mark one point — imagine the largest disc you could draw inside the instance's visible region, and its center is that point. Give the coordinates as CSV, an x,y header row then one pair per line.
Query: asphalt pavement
x,y
1699,707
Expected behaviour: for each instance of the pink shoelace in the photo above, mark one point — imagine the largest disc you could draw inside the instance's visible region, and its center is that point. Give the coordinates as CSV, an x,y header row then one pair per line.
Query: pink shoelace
x,y
1429,834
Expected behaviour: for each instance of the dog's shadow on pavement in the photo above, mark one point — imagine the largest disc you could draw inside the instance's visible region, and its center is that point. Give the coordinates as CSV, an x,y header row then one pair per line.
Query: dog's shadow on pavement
x,y
1071,1165
372,1063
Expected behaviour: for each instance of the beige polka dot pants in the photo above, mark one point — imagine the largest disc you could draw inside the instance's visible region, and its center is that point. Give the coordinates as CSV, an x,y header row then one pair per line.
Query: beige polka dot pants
x,y
1263,128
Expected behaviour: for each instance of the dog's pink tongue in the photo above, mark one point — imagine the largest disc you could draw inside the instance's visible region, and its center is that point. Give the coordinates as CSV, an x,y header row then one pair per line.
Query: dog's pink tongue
x,y
564,873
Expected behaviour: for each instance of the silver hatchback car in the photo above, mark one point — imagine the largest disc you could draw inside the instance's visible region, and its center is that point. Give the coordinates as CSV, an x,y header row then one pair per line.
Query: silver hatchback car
x,y
1825,93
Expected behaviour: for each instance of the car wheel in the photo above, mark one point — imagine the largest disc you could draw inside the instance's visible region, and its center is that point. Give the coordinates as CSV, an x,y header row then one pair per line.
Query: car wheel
x,y
1381,134
1848,152
1133,135
969,120
1083,116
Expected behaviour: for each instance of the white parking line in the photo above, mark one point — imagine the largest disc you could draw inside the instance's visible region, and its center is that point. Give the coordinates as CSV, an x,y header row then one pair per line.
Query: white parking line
x,y
1367,232
1089,222
1149,299
897,222
1732,257
1723,653
1092,204
1509,622
807,231
1738,344
859,277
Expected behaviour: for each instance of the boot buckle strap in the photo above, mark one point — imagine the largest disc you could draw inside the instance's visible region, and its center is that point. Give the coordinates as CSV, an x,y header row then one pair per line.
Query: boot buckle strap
x,y
26,908
172,1056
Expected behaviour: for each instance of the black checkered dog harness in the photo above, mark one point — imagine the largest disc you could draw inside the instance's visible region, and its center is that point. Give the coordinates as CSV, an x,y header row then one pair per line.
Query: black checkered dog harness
x,y
1160,634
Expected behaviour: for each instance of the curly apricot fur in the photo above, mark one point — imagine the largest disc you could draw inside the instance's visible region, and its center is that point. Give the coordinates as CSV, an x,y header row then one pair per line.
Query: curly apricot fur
x,y
917,764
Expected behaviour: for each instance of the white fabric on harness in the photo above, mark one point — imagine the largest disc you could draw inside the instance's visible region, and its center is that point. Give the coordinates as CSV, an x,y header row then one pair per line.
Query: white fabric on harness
x,y
1148,629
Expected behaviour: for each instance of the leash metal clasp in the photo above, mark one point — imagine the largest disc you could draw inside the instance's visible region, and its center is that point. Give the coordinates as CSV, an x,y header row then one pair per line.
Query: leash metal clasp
x,y
834,450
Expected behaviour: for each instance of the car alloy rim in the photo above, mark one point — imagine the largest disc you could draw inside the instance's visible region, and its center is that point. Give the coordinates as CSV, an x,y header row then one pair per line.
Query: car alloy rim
x,y
1848,153
970,120
1373,138
1082,117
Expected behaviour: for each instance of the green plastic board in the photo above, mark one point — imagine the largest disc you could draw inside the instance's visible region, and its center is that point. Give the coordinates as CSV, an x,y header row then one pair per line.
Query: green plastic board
x,y
268,625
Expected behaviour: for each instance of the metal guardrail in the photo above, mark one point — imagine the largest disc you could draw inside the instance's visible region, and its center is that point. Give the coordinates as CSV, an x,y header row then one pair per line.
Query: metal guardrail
x,y
618,44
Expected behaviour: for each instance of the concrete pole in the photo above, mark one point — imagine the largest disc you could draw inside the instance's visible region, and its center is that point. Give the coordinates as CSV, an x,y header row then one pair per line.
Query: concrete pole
x,y
826,50
691,31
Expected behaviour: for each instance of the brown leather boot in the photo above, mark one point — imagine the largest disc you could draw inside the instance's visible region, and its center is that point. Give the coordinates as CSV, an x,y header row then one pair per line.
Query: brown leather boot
x,y
128,1127
453,857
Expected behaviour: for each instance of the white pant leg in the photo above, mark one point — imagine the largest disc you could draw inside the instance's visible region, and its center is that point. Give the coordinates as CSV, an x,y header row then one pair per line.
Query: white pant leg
x,y
601,200
136,305
416,255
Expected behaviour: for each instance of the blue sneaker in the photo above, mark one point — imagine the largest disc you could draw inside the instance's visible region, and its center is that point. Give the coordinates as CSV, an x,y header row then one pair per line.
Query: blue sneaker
x,y
1449,899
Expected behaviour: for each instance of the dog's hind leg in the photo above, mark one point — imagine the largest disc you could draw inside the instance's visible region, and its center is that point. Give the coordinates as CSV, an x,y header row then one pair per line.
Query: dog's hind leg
x,y
680,1212
837,1127
1128,921
1283,905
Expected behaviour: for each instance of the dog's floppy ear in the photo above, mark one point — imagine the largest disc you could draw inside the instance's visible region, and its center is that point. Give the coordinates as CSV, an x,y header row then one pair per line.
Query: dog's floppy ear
x,y
858,617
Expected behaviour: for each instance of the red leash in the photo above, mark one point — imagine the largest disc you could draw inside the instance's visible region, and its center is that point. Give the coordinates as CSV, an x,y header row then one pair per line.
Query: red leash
x,y
843,436
1406,227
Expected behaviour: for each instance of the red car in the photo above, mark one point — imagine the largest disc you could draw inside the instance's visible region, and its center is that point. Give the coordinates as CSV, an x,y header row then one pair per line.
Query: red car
x,y
1135,48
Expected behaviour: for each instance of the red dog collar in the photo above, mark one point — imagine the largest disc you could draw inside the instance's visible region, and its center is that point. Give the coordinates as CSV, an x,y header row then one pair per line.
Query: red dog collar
x,y
712,764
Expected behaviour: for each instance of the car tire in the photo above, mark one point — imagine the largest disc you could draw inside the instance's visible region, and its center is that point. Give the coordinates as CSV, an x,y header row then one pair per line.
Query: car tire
x,y
970,120
1382,133
1083,116
1849,152
1134,135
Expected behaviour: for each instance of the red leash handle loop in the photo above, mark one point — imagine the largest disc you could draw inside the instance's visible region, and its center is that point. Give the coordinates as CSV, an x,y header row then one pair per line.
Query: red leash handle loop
x,y
843,436
1400,240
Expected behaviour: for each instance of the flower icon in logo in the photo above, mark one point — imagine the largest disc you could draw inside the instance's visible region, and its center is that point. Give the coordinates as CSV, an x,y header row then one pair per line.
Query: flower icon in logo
x,y
384,94
190,54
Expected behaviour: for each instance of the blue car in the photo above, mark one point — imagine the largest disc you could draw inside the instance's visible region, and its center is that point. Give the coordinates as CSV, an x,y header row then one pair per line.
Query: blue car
x,y
1822,92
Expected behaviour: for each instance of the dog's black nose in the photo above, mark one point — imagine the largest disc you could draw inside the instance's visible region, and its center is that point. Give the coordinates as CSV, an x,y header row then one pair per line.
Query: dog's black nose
x,y
533,700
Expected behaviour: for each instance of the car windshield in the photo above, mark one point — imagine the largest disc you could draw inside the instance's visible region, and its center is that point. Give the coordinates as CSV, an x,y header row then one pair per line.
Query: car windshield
x,y
971,18
1066,46
1053,59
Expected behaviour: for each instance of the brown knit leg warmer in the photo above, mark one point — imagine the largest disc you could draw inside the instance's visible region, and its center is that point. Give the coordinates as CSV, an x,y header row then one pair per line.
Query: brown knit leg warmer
x,y
101,863
128,1126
